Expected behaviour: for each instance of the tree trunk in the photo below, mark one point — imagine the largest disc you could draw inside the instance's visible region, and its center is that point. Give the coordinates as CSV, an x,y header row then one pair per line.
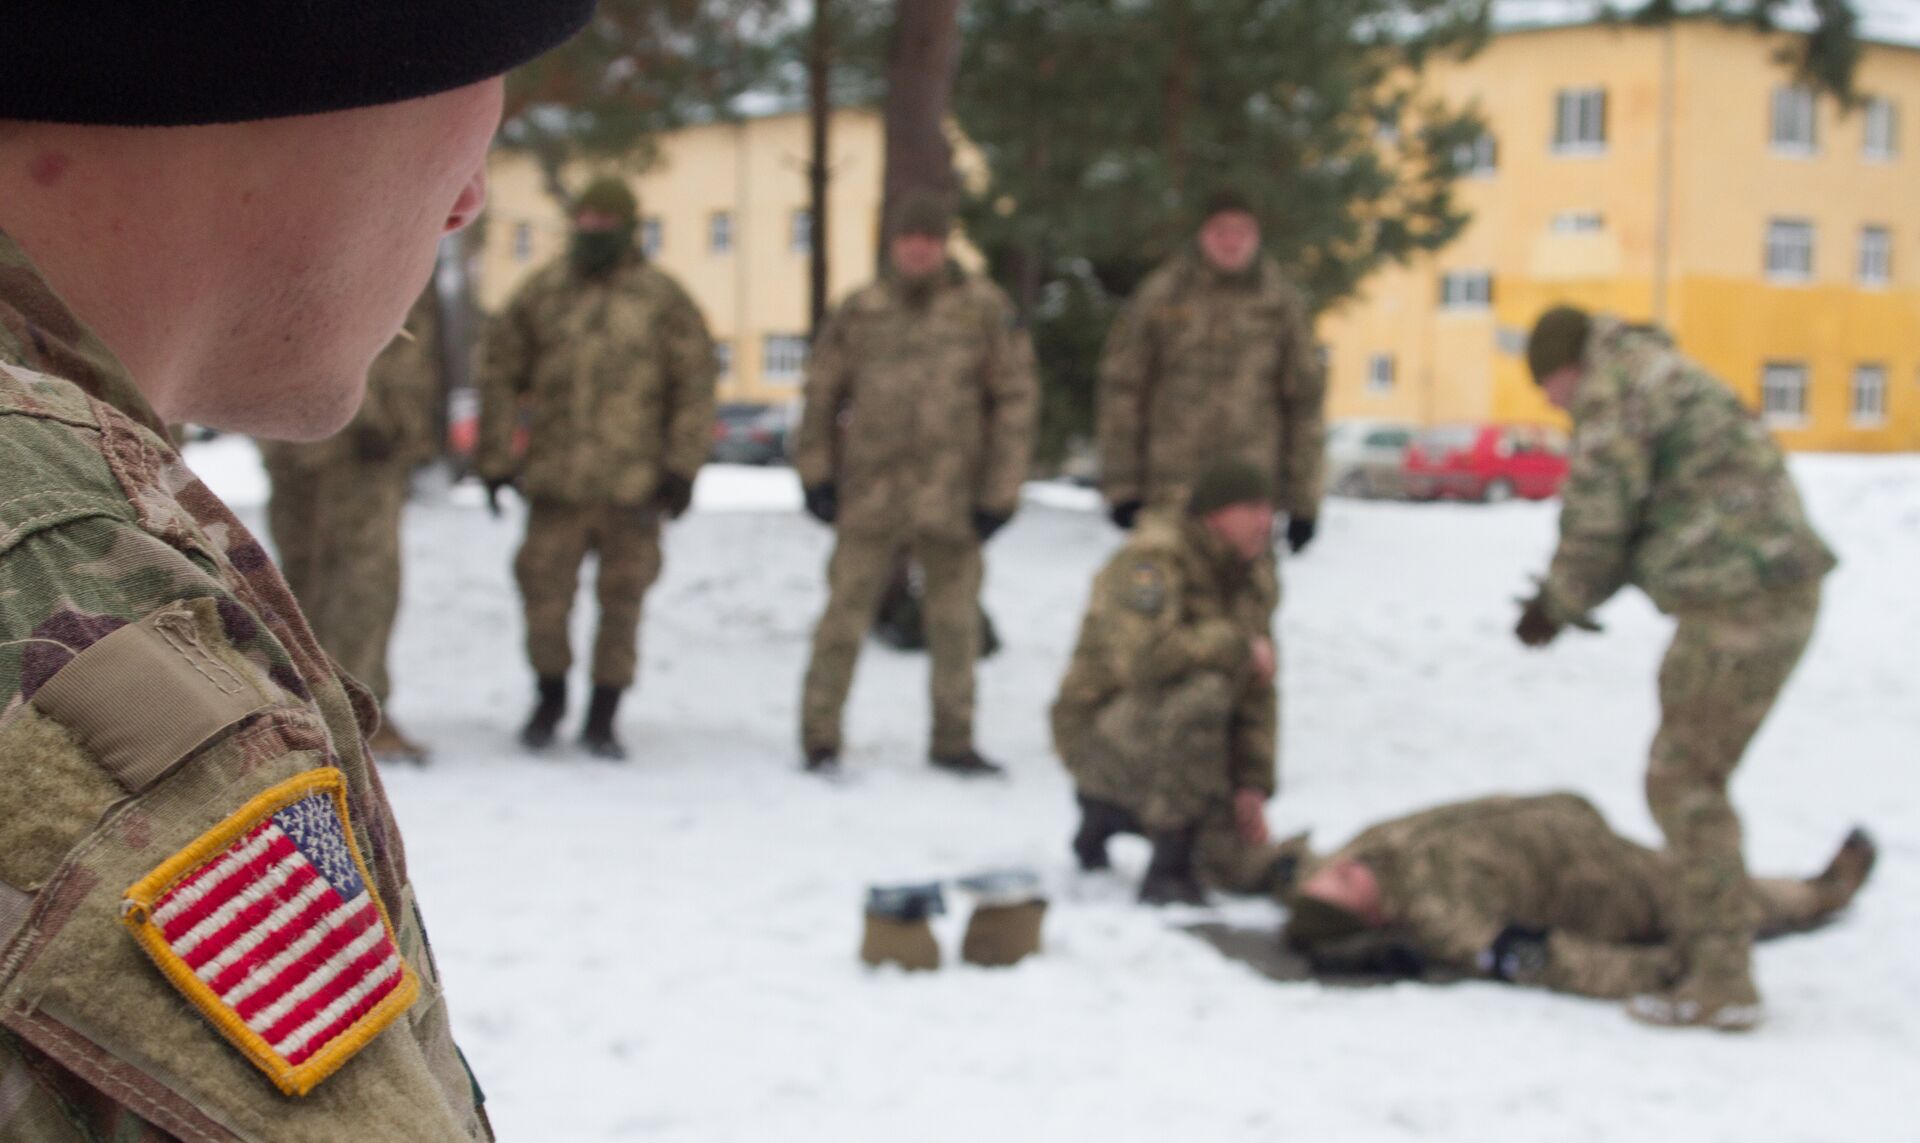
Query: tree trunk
x,y
819,68
922,57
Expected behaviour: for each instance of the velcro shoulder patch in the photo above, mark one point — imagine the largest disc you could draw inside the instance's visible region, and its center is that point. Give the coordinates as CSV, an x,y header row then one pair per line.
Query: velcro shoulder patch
x,y
1146,589
269,925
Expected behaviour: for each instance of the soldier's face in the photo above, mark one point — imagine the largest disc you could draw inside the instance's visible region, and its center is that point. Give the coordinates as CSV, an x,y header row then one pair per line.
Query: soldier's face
x,y
1230,240
1245,528
915,256
1347,884
1560,385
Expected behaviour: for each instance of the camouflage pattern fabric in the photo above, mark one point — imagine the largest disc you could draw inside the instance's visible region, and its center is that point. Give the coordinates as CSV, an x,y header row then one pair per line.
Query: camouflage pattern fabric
x,y
1201,366
1452,878
920,409
626,542
616,375
101,526
857,576
335,508
1160,711
1674,487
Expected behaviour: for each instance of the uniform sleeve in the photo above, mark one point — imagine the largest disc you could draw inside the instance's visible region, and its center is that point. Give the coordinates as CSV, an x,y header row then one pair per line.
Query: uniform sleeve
x,y
1126,373
691,371
1608,480
1607,971
1303,403
1256,740
507,351
1012,400
1137,603
816,450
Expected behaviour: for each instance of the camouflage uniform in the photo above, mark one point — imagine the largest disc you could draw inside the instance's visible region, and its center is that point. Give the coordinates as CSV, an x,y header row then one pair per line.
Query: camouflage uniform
x,y
920,411
616,373
1161,711
335,508
1454,877
1204,366
1677,488
108,545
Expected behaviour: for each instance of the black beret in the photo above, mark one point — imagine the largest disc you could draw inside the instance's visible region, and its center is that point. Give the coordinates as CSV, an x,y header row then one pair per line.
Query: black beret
x,y
175,63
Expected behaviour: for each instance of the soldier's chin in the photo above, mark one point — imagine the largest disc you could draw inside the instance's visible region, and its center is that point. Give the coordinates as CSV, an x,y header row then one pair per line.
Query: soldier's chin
x,y
306,413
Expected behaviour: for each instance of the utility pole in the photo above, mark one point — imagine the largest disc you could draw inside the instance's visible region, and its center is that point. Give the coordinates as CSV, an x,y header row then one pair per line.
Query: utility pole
x,y
820,102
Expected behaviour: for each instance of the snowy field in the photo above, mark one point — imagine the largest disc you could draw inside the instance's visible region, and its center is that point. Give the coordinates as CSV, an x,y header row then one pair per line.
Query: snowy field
x,y
665,950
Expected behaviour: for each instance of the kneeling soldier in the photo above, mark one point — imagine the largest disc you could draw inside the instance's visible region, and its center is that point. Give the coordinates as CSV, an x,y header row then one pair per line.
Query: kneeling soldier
x,y
1167,717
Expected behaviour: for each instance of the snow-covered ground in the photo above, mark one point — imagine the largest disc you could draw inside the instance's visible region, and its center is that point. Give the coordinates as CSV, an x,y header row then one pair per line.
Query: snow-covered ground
x,y
665,950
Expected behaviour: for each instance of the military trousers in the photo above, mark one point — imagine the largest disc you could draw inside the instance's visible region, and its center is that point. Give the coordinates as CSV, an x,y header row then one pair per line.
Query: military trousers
x,y
1721,676
626,542
857,576
337,529
1163,754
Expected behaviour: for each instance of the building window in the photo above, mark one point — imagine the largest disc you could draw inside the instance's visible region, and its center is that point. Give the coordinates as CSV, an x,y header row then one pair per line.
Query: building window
x,y
1380,374
1883,129
720,232
1789,250
1876,256
1477,159
653,235
1579,222
1870,396
1795,120
1580,121
522,241
1466,290
1783,395
723,359
785,357
801,238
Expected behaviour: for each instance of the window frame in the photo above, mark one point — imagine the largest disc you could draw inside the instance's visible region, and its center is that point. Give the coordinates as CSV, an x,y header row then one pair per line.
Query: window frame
x,y
1775,241
1582,100
783,358
1784,418
720,235
800,231
1884,248
1875,417
1381,384
653,235
1458,292
1887,112
1794,105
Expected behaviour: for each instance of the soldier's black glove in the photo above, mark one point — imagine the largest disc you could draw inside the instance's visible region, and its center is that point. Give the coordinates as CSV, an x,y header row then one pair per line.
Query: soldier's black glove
x,y
986,523
1300,530
1536,628
373,445
674,494
1518,955
823,502
493,494
1125,513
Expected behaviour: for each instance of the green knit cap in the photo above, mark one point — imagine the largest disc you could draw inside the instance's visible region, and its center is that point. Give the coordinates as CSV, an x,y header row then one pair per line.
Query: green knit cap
x,y
923,213
1226,483
1559,339
609,194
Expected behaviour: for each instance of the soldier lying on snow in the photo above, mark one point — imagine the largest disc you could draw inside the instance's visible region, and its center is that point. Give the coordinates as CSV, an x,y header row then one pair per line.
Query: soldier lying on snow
x,y
1531,890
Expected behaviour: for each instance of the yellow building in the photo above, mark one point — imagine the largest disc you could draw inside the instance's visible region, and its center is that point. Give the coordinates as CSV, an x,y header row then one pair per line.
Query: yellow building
x,y
1675,175
725,211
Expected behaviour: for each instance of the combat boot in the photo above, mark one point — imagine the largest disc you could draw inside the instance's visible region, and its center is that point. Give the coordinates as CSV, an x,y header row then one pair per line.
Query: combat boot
x,y
1170,879
598,736
1848,871
1716,993
547,713
967,765
390,746
1099,822
822,760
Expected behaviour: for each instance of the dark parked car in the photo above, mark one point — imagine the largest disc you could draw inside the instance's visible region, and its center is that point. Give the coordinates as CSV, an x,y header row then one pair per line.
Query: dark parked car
x,y
1486,462
751,434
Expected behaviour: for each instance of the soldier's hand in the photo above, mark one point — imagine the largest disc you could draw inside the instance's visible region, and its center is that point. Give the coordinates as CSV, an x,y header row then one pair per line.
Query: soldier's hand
x,y
1125,513
986,523
823,502
1536,628
493,494
1300,530
1250,816
674,494
1266,662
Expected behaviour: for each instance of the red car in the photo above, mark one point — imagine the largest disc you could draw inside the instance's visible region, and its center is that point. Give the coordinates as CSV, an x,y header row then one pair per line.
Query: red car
x,y
1488,463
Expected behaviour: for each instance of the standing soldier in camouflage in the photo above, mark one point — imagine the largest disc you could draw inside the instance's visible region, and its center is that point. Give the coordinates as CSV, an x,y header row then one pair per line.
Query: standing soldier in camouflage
x,y
175,746
1532,890
917,435
610,361
335,513
1678,489
1213,357
1166,718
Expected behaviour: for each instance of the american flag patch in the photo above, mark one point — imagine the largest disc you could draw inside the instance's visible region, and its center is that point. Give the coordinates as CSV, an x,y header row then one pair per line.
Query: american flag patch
x,y
270,926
